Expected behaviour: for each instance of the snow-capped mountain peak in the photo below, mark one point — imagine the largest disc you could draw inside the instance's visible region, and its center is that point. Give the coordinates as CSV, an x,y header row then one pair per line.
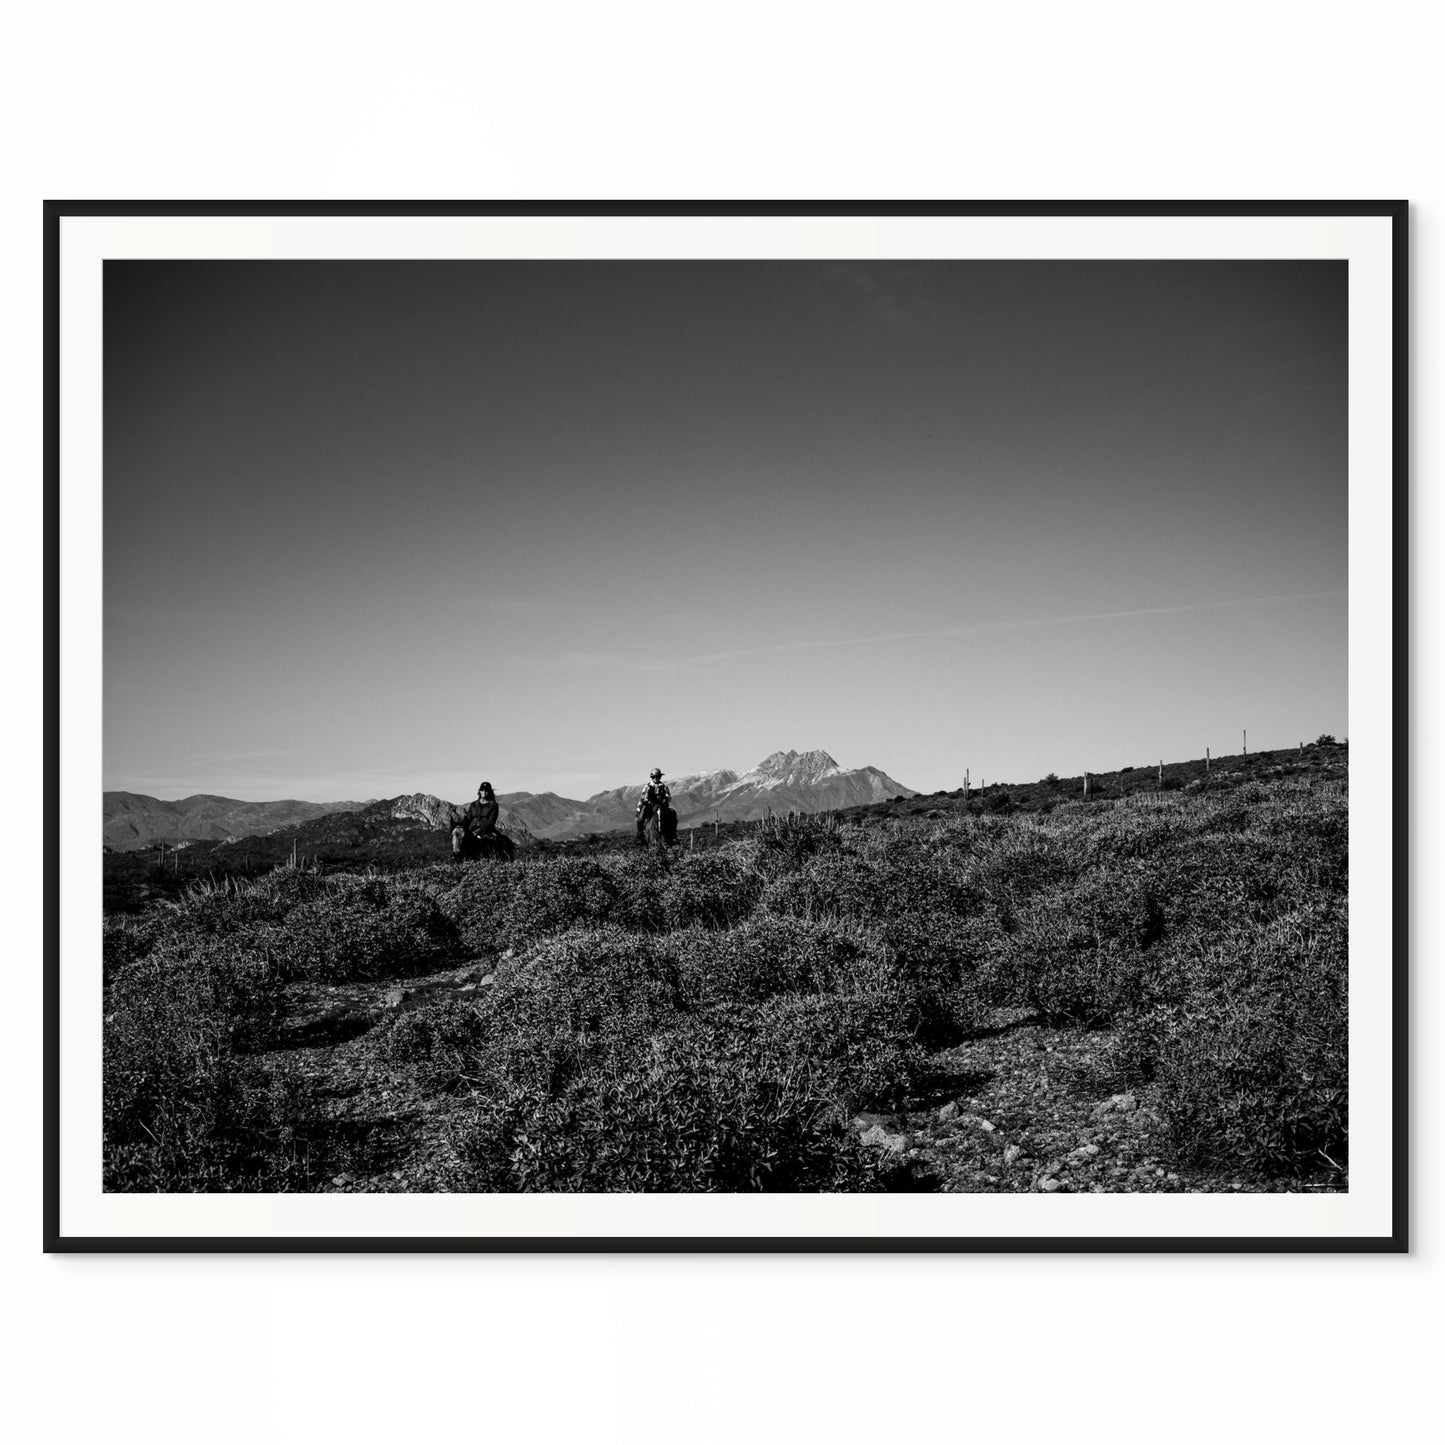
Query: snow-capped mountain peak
x,y
794,767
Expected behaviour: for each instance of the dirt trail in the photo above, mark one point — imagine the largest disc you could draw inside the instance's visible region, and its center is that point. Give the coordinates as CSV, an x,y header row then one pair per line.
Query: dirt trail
x,y
381,1128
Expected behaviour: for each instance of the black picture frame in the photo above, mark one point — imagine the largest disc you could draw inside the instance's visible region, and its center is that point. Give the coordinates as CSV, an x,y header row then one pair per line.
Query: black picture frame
x,y
1394,212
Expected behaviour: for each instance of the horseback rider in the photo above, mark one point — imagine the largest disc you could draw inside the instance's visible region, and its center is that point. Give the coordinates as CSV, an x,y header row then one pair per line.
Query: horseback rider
x,y
482,814
479,822
653,800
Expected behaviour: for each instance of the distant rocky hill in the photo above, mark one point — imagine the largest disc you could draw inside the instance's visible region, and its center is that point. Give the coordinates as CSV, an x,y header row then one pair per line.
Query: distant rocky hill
x,y
438,813
136,820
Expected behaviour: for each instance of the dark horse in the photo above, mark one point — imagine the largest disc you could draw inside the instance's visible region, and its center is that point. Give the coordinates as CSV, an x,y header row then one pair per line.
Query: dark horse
x,y
468,847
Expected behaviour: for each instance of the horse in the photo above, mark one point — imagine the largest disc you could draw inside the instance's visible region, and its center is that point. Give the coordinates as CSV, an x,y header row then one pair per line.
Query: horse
x,y
470,847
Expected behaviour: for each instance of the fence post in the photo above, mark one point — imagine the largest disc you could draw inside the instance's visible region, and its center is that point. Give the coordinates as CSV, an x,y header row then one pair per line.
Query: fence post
x,y
1086,785
1246,742
1161,770
1206,760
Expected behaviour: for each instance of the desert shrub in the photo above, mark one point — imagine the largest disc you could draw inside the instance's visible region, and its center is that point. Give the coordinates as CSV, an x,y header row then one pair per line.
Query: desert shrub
x,y
715,889
1010,861
914,874
639,879
768,956
747,1099
236,905
553,1011
857,1050
124,939
574,1000
933,959
829,887
1079,952
1251,1052
1215,881
496,909
477,904
186,1106
557,895
365,928
919,964
702,1059
1068,975
791,844
437,1040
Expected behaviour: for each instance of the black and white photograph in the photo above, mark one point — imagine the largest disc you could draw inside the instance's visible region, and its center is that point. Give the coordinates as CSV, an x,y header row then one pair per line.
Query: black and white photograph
x,y
876,726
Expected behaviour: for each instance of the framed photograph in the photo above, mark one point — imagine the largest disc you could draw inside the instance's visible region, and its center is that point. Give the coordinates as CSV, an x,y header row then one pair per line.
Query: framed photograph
x,y
726,727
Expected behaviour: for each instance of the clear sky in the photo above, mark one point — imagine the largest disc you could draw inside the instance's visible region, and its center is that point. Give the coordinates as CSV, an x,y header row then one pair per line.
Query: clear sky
x,y
374,528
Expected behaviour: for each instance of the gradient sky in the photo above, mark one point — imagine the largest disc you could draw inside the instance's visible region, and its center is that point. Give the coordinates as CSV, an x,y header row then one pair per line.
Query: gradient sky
x,y
374,528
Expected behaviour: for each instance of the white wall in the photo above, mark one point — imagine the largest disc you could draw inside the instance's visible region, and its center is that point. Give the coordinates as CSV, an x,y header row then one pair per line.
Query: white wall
x,y
766,100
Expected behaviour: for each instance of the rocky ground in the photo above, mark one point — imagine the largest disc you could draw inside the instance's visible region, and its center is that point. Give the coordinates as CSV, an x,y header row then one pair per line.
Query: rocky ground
x,y
1029,1108
1020,1108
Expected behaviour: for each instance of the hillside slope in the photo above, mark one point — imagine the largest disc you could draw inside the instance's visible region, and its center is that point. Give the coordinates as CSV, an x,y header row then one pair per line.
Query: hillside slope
x,y
137,820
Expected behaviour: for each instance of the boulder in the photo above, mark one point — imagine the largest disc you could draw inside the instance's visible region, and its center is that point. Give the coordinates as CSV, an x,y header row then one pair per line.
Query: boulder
x,y
879,1138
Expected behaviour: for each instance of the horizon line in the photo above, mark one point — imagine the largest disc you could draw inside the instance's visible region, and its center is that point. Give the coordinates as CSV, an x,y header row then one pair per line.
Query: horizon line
x,y
530,792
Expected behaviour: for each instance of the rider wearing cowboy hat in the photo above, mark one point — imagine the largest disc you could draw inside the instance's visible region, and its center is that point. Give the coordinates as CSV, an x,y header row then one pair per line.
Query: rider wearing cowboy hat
x,y
654,799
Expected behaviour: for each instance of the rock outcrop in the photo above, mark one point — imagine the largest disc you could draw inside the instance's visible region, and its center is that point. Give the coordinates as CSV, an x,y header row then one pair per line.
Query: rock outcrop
x,y
425,808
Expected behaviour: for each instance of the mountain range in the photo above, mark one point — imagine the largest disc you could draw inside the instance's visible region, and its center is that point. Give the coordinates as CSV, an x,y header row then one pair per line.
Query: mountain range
x,y
136,820
784,781
808,782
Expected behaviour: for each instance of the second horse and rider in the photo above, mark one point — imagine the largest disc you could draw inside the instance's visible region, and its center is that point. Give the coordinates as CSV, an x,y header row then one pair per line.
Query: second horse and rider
x,y
656,802
476,835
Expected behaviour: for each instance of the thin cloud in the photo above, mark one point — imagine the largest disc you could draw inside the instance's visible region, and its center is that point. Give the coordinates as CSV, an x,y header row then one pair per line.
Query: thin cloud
x,y
585,661
971,629
875,290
